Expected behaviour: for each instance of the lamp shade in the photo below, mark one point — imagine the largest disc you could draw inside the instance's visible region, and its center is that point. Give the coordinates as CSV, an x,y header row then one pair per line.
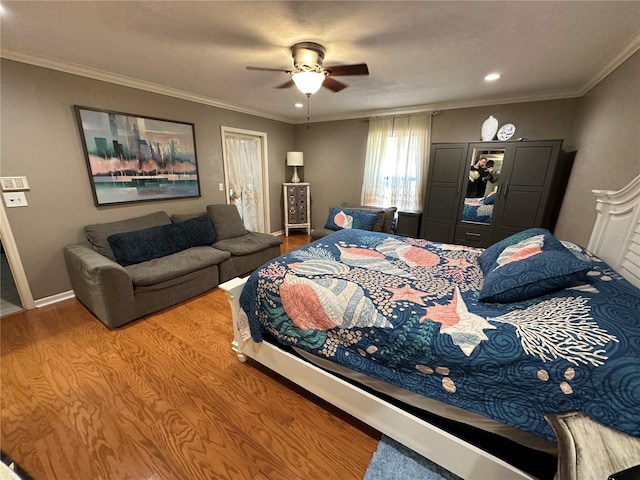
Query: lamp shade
x,y
295,159
308,82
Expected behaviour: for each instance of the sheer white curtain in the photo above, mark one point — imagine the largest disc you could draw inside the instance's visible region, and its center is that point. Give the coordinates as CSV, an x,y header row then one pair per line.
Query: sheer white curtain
x,y
245,179
396,161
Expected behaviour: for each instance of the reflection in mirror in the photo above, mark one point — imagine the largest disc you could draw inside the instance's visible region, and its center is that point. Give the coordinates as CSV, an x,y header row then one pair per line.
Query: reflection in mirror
x,y
484,174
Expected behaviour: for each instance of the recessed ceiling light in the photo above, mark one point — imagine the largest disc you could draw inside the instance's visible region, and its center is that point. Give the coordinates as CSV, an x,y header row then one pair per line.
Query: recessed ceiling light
x,y
1,9
492,77
298,105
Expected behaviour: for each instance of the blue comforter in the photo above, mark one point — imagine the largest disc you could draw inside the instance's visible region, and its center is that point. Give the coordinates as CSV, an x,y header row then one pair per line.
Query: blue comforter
x,y
406,311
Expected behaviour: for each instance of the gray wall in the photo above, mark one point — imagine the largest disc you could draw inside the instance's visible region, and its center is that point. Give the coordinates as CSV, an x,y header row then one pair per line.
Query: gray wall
x,y
335,151
548,120
607,140
334,155
40,140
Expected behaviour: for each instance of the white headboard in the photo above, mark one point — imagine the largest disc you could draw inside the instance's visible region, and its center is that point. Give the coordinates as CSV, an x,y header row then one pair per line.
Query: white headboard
x,y
616,233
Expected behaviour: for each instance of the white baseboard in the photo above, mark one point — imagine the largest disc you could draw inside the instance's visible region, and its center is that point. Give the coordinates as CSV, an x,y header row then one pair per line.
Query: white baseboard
x,y
58,297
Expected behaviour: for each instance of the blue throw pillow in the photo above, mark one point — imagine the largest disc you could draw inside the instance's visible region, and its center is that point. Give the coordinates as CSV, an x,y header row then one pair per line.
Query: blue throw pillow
x,y
344,218
537,265
142,245
487,259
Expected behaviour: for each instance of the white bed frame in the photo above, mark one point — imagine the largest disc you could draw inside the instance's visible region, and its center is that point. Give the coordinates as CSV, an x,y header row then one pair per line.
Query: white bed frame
x,y
616,234
615,239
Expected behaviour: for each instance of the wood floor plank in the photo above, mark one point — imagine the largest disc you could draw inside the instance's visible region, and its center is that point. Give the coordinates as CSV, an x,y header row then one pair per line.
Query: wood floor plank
x,y
163,397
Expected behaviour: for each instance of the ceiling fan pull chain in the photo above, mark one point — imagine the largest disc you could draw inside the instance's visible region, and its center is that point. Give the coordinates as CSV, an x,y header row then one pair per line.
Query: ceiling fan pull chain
x,y
308,102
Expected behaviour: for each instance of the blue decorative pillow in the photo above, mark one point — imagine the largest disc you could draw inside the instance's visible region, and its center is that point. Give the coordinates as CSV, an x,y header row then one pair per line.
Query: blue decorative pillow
x,y
490,199
537,265
344,218
142,245
487,259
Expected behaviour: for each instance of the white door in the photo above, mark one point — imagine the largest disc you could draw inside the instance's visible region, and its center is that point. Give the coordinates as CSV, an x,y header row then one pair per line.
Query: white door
x,y
246,176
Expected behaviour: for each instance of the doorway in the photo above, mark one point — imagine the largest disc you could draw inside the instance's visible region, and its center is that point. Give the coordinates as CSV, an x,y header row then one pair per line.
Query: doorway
x,y
9,297
17,292
246,176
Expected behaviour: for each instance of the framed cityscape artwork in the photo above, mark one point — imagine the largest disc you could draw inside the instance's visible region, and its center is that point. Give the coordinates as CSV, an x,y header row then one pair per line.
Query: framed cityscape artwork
x,y
131,158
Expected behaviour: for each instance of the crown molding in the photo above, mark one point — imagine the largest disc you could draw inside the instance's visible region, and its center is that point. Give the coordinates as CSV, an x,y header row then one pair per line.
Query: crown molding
x,y
620,56
109,77
630,47
558,95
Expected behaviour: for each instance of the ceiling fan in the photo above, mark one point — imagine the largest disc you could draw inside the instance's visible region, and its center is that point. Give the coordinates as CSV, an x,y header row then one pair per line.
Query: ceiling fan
x,y
309,74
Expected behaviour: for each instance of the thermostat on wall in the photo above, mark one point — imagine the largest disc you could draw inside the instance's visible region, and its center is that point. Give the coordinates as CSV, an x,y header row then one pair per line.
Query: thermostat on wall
x,y
10,184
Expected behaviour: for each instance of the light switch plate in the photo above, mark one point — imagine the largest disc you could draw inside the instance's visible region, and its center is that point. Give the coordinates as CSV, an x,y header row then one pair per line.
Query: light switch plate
x,y
16,199
13,183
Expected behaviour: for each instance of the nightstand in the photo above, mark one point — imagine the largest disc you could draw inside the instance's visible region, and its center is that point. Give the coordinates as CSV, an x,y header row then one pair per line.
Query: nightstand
x,y
409,224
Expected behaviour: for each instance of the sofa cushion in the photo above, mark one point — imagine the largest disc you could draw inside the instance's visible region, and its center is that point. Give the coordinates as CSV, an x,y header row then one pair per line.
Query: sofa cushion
x,y
97,234
378,224
181,217
346,218
317,233
385,217
250,242
388,226
142,245
174,266
226,220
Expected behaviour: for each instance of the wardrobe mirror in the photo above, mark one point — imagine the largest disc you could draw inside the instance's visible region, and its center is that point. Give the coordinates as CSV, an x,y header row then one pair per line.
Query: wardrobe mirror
x,y
483,177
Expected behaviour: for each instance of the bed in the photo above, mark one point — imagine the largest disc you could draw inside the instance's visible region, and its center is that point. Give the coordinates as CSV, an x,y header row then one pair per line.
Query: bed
x,y
359,300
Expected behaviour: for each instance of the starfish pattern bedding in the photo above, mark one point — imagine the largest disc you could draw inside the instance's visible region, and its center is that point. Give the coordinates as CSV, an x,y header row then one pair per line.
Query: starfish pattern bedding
x,y
406,311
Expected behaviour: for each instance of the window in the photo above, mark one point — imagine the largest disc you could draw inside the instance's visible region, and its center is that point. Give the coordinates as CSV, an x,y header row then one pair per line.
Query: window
x,y
396,162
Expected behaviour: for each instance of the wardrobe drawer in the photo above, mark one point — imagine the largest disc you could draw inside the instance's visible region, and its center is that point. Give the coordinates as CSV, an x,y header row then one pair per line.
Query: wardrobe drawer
x,y
472,236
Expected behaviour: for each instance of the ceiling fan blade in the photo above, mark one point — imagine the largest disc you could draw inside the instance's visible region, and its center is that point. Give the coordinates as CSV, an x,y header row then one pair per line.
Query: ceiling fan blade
x,y
270,69
288,84
333,85
357,69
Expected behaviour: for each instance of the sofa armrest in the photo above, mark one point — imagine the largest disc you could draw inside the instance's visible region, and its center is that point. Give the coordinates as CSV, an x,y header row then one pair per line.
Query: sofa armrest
x,y
101,284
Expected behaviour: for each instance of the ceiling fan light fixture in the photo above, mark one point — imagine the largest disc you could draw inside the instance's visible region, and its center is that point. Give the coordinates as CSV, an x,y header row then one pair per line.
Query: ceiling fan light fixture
x,y
308,82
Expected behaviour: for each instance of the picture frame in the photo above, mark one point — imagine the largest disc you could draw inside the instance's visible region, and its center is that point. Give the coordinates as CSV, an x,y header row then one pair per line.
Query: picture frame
x,y
135,158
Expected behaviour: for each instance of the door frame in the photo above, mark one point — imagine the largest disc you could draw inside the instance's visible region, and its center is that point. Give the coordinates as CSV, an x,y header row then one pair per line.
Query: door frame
x,y
15,264
265,168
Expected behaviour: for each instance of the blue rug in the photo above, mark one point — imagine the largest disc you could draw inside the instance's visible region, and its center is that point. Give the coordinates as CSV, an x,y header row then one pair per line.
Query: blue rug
x,y
394,461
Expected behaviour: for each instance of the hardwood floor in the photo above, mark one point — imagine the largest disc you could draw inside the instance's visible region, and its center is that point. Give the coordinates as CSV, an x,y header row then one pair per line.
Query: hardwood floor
x,y
162,398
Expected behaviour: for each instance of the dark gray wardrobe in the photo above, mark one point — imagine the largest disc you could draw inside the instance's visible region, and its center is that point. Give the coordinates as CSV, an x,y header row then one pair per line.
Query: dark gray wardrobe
x,y
528,185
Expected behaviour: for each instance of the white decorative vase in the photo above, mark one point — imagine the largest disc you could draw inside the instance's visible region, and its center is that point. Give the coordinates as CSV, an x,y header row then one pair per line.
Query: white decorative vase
x,y
489,128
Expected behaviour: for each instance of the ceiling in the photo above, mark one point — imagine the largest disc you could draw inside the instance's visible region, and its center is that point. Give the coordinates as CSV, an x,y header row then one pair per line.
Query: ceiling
x,y
421,55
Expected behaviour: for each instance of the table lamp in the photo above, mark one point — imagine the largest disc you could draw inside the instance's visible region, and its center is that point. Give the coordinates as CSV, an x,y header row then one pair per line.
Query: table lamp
x,y
295,160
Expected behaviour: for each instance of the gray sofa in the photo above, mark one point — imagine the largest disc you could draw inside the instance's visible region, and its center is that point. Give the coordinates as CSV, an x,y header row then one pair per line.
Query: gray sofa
x,y
134,267
384,222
